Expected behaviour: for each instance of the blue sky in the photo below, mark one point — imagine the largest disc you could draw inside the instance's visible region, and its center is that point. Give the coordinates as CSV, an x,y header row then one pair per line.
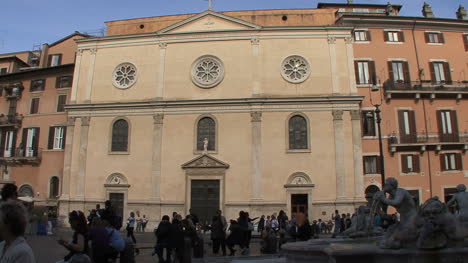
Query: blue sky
x,y
33,22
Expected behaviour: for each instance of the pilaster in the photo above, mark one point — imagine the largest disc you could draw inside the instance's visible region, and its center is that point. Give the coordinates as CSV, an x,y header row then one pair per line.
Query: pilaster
x,y
162,68
89,85
68,159
357,155
256,154
256,82
76,74
350,56
80,186
157,151
333,67
339,154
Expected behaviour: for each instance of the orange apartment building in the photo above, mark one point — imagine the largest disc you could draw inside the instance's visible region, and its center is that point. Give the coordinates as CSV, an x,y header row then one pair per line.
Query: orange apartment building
x,y
34,87
420,67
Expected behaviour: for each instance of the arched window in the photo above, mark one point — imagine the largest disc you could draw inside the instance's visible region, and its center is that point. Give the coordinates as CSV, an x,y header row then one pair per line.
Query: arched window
x,y
206,128
26,190
54,187
120,136
298,133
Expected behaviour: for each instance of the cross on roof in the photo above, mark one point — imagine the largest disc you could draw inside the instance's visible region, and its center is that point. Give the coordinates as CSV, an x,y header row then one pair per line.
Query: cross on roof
x,y
210,4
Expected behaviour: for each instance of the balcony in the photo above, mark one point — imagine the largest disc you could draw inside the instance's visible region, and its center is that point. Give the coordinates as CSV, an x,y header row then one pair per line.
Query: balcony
x,y
427,88
11,120
427,141
21,156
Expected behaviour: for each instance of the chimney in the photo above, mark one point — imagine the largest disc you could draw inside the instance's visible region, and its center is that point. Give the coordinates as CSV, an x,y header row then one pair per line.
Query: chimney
x,y
427,10
389,10
461,13
350,2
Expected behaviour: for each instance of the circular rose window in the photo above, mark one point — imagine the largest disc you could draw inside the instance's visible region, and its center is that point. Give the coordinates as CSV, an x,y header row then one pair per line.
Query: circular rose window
x,y
207,71
295,69
124,76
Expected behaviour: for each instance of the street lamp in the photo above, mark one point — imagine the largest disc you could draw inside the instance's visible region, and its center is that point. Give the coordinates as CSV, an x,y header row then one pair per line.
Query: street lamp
x,y
377,111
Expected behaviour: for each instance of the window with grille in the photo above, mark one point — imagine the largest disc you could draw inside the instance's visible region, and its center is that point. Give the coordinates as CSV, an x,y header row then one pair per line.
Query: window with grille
x,y
371,164
54,187
298,133
120,136
206,128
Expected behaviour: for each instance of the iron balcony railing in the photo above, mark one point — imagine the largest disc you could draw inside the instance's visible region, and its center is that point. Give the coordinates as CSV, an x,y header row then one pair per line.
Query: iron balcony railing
x,y
427,138
426,85
22,153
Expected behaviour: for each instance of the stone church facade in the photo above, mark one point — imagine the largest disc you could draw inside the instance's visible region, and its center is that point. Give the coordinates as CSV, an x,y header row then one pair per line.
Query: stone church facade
x,y
213,111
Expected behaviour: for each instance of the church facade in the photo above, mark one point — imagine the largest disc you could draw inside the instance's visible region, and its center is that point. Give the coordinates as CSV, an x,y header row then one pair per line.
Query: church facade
x,y
253,111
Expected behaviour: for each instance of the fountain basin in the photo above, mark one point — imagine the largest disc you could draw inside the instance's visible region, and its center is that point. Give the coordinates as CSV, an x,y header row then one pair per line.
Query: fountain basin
x,y
366,251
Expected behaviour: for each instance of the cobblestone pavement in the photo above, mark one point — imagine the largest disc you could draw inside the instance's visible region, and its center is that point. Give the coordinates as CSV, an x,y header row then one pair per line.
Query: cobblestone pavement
x,y
47,250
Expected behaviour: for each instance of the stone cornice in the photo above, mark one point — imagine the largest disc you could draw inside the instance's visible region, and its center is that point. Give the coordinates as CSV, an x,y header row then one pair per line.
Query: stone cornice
x,y
241,104
203,36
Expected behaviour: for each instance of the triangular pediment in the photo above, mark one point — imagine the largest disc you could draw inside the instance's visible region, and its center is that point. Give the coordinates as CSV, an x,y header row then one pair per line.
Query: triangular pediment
x,y
205,161
209,21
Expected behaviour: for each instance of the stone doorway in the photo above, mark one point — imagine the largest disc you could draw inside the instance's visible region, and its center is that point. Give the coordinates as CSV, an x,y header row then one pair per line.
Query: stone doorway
x,y
205,199
117,201
299,204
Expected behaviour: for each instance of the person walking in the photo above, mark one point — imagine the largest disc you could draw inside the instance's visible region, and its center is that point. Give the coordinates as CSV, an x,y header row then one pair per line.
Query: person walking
x,y
78,248
337,220
139,222
144,221
131,227
236,237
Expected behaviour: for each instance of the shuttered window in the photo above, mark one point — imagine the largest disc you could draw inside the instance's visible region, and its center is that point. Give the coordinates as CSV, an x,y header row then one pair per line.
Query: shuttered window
x,y
119,136
64,82
407,125
297,133
57,136
465,41
61,101
206,129
394,36
365,72
54,187
410,163
34,106
362,35
398,71
451,162
371,164
54,60
434,37
448,125
30,142
440,72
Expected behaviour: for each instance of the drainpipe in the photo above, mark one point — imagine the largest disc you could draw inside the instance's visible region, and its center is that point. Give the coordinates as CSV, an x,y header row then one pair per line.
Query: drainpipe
x,y
424,108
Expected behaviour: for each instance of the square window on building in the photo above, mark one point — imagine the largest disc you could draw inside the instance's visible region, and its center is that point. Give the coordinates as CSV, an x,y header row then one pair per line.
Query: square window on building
x,y
362,35
61,101
54,60
434,37
3,71
394,36
415,195
465,41
371,164
34,106
451,162
64,82
368,123
37,85
410,163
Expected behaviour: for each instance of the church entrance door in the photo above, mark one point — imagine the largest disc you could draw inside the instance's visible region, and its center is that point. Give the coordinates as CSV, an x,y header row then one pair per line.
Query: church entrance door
x,y
117,201
299,204
205,199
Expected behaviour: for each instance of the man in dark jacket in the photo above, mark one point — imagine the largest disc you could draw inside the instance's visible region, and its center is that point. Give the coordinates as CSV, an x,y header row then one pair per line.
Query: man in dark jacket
x,y
163,235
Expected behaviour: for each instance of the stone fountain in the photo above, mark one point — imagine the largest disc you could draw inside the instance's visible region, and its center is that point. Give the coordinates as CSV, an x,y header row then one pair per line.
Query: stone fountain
x,y
430,234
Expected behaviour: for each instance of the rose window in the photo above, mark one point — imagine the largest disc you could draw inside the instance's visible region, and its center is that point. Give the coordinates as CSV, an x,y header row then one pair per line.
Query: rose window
x,y
207,72
295,69
125,75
